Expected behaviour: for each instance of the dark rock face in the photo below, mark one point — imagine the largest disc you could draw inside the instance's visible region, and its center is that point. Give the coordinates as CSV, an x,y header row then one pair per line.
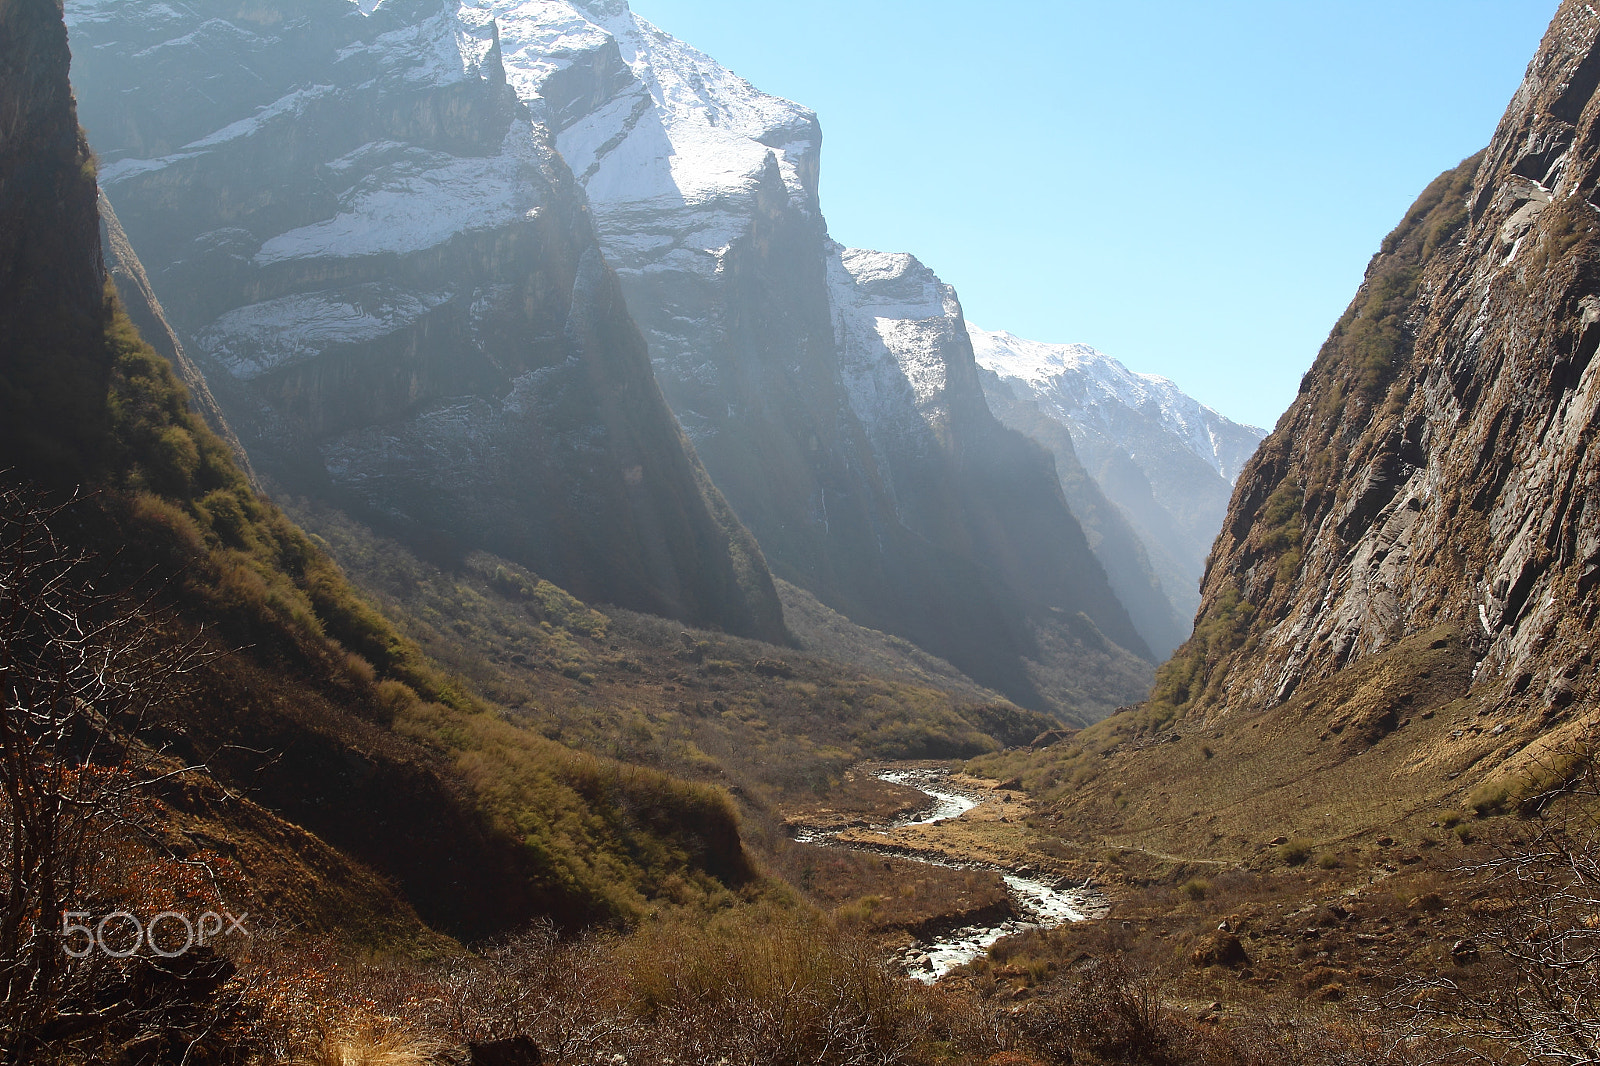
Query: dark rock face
x,y
518,1051
392,285
53,371
1438,465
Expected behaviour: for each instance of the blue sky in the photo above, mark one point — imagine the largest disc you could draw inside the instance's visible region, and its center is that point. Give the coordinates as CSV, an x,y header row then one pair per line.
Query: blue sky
x,y
1192,187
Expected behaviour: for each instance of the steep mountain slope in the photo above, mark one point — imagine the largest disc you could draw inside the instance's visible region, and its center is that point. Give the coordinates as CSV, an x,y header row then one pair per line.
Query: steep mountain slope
x,y
1400,611
147,315
50,267
830,392
1167,462
392,286
1121,551
340,767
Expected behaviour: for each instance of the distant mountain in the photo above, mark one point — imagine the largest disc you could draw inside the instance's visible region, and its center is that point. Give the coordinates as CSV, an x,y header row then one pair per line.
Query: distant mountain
x,y
1166,461
830,392
392,285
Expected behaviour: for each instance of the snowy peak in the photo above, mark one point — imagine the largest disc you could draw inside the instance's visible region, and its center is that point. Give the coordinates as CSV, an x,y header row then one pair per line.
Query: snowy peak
x,y
1075,381
642,117
896,327
896,285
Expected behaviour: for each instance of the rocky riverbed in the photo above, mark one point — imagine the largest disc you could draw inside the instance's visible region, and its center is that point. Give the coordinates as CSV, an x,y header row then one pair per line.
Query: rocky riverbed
x,y
1038,897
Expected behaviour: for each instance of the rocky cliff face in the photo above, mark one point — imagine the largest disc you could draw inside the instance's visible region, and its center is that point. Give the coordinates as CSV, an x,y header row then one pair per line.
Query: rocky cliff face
x,y
1147,469
53,370
830,392
144,310
391,281
1438,465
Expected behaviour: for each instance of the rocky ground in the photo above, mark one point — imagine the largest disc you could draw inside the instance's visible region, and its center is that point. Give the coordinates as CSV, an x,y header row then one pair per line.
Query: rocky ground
x,y
1284,930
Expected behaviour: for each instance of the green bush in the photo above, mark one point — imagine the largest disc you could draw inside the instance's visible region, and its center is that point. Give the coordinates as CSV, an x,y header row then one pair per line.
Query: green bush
x,y
1295,852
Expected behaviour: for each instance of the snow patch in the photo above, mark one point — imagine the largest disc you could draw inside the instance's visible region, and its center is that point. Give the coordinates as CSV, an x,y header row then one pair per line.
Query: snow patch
x,y
254,340
288,107
421,201
439,50
895,324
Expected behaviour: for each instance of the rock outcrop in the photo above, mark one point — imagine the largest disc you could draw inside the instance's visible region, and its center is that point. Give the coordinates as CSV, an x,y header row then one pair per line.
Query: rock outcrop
x,y
1438,466
391,282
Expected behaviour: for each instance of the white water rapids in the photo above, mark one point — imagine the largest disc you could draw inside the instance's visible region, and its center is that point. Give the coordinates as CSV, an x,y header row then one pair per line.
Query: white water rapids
x,y
1041,905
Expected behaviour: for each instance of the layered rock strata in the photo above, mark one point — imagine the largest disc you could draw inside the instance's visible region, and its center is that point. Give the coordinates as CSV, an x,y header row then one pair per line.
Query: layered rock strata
x,y
1438,465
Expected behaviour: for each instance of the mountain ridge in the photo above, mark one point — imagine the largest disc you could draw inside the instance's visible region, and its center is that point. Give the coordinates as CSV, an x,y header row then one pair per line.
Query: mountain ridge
x,y
393,287
1162,461
854,480
1399,609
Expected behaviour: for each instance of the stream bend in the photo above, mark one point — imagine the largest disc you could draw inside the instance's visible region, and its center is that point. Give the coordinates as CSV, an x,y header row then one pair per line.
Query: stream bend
x,y
1039,904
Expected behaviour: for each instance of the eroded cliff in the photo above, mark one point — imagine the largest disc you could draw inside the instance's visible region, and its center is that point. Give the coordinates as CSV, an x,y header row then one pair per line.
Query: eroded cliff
x,y
831,392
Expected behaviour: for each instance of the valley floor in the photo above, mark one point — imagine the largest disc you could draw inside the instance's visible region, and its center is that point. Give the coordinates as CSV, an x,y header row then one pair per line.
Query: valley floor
x,y
1363,941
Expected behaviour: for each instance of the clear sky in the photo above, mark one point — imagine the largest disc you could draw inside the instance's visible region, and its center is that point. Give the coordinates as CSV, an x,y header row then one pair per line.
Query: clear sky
x,y
1192,186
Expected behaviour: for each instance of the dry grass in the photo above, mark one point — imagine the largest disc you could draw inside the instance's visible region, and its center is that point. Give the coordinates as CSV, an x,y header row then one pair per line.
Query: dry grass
x,y
1389,742
771,723
376,1042
884,893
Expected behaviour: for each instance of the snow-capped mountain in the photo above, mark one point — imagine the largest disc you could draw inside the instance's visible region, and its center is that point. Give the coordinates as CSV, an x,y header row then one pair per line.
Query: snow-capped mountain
x,y
831,393
1082,385
392,283
360,215
1167,461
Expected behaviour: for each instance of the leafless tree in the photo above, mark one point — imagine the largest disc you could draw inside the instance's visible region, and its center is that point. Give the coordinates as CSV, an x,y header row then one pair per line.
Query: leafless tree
x,y
81,669
1538,932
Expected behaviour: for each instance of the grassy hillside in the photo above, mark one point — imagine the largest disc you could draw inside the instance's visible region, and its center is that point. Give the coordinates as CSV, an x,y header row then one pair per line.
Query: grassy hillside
x,y
311,677
769,721
1346,403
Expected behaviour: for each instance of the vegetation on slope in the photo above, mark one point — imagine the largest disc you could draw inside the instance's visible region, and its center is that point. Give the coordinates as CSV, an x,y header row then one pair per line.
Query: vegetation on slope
x,y
1345,397
767,721
307,698
594,838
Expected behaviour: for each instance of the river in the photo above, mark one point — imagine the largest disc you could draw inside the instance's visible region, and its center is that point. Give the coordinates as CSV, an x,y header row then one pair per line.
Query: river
x,y
1039,904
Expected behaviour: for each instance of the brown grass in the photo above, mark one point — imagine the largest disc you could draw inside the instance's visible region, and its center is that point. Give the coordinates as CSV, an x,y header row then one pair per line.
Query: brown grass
x,y
770,722
376,1042
1383,743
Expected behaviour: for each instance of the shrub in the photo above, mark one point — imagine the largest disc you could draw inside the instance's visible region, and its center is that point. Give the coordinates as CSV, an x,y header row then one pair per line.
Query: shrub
x,y
373,1043
1489,798
1295,852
